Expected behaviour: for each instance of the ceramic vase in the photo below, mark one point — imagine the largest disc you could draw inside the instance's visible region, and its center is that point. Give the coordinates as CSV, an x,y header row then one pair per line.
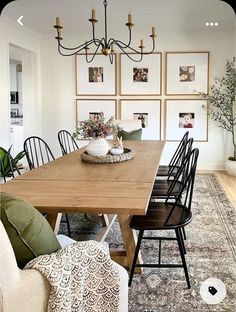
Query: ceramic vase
x,y
97,147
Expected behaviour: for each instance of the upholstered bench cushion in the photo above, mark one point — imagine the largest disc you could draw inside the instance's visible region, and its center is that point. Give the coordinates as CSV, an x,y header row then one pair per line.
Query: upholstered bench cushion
x,y
132,135
29,232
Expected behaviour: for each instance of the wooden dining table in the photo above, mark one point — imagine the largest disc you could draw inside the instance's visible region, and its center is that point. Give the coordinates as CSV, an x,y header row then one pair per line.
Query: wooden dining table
x,y
70,185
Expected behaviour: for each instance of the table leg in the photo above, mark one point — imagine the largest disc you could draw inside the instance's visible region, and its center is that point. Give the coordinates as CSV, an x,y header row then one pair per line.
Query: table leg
x,y
130,239
104,219
54,220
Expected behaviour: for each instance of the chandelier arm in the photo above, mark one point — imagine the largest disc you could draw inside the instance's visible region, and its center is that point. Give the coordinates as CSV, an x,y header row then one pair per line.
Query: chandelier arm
x,y
129,55
94,38
116,42
64,54
82,46
94,54
111,57
153,48
124,45
73,53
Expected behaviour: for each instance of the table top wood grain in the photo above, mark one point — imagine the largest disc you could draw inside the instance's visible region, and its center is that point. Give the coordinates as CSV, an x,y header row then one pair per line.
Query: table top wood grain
x,y
68,184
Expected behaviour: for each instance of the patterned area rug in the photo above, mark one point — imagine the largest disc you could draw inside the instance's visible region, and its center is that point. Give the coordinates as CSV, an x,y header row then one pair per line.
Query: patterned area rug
x,y
211,253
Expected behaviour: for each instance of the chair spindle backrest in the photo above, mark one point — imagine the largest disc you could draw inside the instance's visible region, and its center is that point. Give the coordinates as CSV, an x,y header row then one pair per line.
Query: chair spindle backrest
x,y
178,156
37,152
184,197
67,142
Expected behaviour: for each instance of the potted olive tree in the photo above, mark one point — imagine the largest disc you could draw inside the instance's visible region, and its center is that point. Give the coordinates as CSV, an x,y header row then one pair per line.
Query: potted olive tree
x,y
222,108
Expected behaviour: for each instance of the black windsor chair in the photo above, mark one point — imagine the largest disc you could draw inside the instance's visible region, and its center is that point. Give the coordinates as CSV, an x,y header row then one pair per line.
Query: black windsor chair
x,y
38,153
176,160
168,215
67,142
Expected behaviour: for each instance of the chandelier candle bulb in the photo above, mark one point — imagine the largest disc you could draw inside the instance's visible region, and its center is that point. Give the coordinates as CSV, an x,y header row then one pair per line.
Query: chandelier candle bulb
x,y
93,14
153,32
58,23
130,19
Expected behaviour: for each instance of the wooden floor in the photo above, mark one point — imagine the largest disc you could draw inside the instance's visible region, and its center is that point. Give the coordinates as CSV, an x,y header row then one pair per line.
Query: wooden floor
x,y
227,182
229,185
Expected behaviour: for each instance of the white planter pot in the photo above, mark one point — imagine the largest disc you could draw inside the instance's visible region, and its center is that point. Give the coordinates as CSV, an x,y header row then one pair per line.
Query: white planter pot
x,y
230,167
97,147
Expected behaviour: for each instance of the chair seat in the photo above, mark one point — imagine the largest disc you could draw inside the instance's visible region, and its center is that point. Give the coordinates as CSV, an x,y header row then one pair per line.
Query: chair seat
x,y
161,187
157,215
164,171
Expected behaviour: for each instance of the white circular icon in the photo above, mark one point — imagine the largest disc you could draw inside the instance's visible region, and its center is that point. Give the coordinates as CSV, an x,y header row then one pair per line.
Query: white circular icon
x,y
213,291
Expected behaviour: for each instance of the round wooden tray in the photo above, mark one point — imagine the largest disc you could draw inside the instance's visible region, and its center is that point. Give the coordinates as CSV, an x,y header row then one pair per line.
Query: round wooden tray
x,y
109,158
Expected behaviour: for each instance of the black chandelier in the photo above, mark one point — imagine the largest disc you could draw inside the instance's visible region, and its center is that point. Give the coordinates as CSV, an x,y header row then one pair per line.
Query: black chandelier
x,y
105,44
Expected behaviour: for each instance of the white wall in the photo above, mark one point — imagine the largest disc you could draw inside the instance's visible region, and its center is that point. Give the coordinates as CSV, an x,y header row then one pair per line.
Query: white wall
x,y
52,106
58,90
29,42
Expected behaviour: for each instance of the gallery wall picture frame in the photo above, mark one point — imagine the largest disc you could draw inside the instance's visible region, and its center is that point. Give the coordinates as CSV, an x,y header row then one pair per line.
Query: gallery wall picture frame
x,y
143,78
97,77
14,112
14,97
86,108
187,73
148,111
183,115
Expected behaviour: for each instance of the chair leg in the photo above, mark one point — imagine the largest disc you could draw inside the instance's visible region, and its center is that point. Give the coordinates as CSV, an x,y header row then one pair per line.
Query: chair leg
x,y
182,240
68,225
184,234
178,234
140,236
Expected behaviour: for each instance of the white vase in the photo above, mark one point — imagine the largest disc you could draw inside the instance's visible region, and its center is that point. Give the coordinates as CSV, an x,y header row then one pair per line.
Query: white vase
x,y
97,147
230,167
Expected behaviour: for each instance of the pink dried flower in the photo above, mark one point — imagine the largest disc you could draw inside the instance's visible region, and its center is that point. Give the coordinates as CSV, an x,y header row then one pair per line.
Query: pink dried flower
x,y
96,127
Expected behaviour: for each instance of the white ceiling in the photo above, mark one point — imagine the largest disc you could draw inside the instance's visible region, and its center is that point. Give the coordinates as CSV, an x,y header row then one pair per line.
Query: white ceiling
x,y
165,15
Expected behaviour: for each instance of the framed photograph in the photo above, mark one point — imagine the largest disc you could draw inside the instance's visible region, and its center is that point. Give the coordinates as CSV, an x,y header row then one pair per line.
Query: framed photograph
x,y
92,108
14,97
97,77
148,111
142,78
14,112
187,73
186,115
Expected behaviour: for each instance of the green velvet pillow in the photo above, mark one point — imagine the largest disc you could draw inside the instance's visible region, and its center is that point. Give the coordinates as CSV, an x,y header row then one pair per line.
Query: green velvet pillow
x,y
133,135
29,232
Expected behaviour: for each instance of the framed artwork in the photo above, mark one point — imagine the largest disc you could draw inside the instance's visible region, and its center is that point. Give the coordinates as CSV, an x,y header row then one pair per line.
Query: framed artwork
x,y
142,78
186,115
97,77
14,112
148,111
14,97
187,73
92,108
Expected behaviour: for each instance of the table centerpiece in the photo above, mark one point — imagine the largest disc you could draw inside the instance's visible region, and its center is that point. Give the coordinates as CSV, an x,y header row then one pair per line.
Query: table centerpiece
x,y
96,129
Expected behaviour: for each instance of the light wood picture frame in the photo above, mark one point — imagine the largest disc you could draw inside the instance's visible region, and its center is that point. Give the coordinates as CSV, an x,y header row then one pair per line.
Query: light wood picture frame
x,y
85,108
142,78
148,111
183,115
96,78
187,73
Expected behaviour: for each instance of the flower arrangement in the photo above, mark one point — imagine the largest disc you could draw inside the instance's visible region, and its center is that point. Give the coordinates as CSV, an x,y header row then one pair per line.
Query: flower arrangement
x,y
96,127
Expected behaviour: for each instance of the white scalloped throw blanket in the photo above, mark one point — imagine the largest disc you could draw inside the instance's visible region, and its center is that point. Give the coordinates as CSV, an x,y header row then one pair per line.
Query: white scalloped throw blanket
x,y
82,276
